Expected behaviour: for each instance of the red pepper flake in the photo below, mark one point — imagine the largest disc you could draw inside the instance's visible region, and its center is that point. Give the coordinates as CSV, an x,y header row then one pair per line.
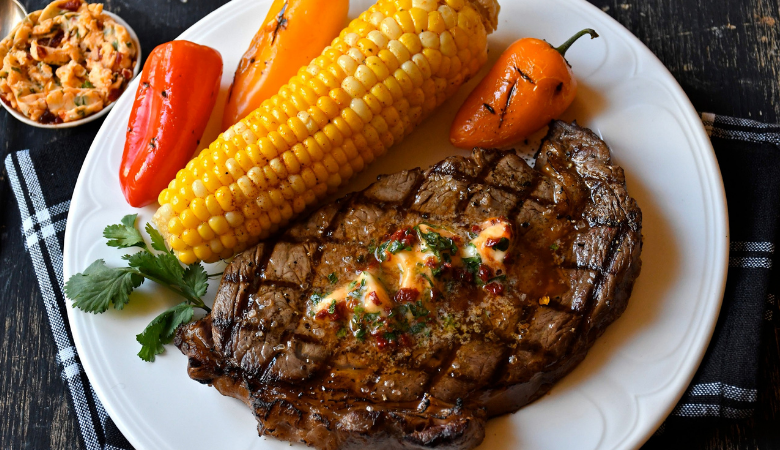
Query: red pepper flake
x,y
406,295
373,298
340,311
381,342
476,228
462,274
406,236
430,262
490,242
485,273
71,5
495,288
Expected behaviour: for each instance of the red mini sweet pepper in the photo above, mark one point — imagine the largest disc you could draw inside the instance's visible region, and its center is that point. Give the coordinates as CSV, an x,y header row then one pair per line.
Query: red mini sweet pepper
x,y
175,96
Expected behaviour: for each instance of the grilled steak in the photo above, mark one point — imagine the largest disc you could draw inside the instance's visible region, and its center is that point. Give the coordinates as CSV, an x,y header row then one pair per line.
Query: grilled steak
x,y
406,315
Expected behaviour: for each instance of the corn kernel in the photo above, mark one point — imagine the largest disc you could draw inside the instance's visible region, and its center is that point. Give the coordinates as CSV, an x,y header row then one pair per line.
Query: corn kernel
x,y
187,256
191,237
176,243
448,46
404,20
348,65
412,43
378,68
387,57
429,40
399,51
205,232
202,252
228,240
225,198
390,28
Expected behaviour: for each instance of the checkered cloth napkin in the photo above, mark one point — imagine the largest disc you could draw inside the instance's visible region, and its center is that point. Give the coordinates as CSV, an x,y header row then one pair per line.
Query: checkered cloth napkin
x,y
724,387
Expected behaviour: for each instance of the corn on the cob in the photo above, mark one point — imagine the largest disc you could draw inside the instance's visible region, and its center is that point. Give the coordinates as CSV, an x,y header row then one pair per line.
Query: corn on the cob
x,y
388,70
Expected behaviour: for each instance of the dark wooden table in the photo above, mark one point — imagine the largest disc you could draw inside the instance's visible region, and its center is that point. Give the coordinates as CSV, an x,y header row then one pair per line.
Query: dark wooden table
x,y
724,53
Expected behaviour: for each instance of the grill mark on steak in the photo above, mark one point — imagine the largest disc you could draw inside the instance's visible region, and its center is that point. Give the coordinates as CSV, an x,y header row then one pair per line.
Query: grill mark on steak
x,y
305,385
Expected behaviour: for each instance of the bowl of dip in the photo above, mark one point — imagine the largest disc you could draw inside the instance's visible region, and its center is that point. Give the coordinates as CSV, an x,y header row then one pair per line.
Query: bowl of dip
x,y
67,64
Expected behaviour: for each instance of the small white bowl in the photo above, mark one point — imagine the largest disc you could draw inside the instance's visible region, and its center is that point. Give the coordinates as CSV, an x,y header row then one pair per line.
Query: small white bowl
x,y
21,117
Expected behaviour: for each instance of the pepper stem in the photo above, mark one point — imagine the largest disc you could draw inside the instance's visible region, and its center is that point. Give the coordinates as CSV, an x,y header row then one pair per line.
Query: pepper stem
x,y
563,48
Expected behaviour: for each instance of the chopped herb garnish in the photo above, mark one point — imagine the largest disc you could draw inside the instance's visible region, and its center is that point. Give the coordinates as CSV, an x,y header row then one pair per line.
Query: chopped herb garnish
x,y
316,298
390,336
437,244
554,247
332,307
418,310
87,85
502,245
333,278
428,279
361,334
16,69
342,333
417,327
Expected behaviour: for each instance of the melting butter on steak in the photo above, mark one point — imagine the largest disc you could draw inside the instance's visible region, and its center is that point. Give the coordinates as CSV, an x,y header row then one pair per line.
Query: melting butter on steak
x,y
433,361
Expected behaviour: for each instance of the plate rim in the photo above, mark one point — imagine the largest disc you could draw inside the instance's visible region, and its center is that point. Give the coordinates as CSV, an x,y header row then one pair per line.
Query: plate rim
x,y
720,229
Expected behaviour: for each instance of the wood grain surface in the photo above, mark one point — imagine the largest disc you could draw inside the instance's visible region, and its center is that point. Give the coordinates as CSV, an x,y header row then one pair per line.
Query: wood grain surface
x,y
724,53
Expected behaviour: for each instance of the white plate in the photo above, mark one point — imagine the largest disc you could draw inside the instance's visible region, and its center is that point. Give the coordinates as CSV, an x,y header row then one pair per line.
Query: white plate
x,y
634,374
136,68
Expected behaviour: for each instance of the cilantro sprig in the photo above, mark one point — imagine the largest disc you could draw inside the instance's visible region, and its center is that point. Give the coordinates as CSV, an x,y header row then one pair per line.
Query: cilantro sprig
x,y
100,287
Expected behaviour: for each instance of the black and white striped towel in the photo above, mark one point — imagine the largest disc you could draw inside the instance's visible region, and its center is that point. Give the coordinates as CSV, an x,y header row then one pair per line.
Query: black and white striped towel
x,y
724,387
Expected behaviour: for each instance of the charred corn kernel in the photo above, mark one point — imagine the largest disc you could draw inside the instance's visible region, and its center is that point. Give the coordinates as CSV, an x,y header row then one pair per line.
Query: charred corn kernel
x,y
366,91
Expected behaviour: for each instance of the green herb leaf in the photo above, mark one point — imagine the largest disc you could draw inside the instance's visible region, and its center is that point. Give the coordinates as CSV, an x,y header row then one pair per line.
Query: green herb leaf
x,y
554,247
333,278
100,287
361,334
161,330
332,307
162,268
87,85
502,245
418,310
124,235
158,242
342,333
316,298
16,69
196,280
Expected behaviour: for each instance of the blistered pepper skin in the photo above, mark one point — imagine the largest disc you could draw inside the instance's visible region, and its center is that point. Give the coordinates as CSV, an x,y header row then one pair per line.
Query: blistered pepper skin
x,y
530,85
